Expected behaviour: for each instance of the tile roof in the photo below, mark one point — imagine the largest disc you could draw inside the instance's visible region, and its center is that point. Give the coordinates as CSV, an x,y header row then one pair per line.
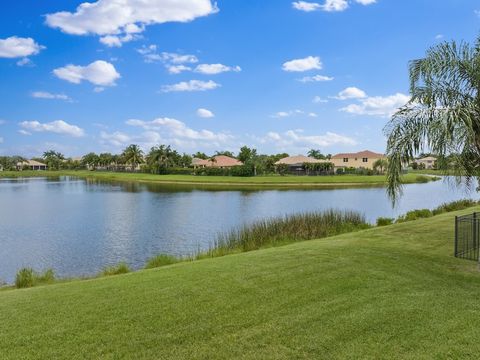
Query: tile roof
x,y
361,154
299,159
223,161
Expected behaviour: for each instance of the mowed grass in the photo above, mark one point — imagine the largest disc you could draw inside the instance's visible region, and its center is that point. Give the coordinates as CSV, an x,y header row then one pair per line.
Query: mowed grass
x,y
268,180
394,292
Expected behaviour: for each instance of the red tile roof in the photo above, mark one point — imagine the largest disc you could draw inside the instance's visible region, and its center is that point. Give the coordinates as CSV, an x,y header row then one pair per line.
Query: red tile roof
x,y
361,154
224,161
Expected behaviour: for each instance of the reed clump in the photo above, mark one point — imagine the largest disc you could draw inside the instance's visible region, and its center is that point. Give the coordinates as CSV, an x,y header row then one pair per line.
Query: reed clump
x,y
286,229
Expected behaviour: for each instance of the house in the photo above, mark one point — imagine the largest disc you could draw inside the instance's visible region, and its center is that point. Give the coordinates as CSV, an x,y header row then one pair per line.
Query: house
x,y
428,162
296,164
222,161
199,163
363,159
31,165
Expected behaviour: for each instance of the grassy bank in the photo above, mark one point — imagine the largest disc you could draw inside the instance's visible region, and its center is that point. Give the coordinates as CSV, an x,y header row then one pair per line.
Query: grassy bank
x,y
389,292
269,180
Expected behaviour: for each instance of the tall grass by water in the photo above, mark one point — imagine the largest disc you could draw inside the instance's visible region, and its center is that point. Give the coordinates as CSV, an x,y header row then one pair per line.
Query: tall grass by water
x,y
27,277
286,229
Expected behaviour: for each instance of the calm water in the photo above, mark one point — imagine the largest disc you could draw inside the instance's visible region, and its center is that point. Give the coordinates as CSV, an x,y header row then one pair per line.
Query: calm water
x,y
77,226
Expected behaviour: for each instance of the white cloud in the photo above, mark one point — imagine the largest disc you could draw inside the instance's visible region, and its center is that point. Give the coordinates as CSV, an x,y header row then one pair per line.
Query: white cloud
x,y
118,21
306,6
100,73
351,93
175,58
117,138
47,95
297,138
366,2
192,85
438,36
24,132
315,78
378,105
14,47
305,64
57,126
177,69
328,5
205,113
318,100
335,5
212,69
290,113
25,62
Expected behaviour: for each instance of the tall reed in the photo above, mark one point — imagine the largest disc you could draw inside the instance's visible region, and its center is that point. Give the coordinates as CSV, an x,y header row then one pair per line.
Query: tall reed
x,y
285,229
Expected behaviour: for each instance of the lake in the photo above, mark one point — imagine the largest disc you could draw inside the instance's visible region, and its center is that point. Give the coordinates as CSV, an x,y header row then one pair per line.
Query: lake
x,y
78,226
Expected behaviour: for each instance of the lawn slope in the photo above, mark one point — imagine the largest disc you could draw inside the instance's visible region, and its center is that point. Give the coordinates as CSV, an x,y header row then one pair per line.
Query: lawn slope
x,y
384,293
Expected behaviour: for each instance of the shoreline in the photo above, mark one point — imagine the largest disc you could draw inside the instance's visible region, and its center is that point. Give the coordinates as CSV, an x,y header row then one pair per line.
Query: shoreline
x,y
283,182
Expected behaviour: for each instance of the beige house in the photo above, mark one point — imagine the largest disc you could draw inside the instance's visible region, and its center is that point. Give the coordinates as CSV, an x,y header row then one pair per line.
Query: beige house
x,y
363,159
31,165
428,162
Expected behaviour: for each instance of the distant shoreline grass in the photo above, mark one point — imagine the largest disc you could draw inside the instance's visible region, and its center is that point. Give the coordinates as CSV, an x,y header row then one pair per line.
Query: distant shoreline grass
x,y
260,181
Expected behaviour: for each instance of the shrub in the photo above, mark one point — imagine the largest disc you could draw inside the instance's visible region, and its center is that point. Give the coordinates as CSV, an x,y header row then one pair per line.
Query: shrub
x,y
121,268
242,170
422,179
27,277
415,214
383,221
454,206
160,260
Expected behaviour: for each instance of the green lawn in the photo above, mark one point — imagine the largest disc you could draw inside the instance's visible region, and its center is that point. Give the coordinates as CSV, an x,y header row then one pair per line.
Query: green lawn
x,y
387,293
270,180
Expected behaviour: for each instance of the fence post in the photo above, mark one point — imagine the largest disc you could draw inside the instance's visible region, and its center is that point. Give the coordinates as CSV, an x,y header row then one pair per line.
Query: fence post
x,y
456,236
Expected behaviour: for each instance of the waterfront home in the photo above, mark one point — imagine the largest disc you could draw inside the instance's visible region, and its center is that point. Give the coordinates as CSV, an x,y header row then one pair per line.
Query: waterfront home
x,y
31,165
427,162
363,159
297,164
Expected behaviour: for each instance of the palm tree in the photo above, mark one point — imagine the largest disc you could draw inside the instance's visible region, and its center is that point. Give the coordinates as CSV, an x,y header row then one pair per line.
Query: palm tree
x,y
380,165
316,154
133,155
443,114
53,159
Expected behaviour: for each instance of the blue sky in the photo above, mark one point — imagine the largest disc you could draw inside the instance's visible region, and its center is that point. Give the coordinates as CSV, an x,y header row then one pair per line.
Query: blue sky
x,y
276,75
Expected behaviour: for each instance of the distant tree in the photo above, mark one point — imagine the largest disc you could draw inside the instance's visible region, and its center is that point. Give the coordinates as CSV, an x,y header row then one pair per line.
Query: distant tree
x,y
380,165
225,153
185,160
133,155
90,161
200,155
317,154
246,154
53,159
105,160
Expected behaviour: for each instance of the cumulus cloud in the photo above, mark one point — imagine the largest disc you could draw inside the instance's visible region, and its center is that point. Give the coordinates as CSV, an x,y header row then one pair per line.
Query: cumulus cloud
x,y
383,106
328,5
99,72
306,6
305,64
212,69
57,127
351,93
284,114
177,69
48,95
192,85
14,47
205,113
116,138
297,138
118,21
315,78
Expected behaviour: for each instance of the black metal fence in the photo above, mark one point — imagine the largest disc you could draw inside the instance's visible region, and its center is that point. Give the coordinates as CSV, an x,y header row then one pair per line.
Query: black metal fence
x,y
467,236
